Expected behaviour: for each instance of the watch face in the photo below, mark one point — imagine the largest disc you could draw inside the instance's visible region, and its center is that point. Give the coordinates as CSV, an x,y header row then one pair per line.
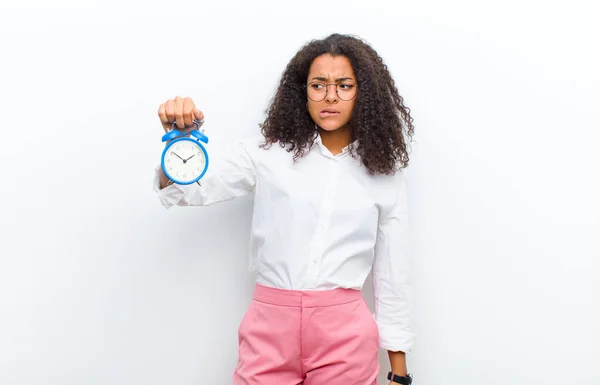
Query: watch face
x,y
184,161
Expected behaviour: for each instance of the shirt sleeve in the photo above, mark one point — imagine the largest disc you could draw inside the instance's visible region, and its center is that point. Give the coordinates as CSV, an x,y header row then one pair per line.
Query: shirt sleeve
x,y
229,176
391,276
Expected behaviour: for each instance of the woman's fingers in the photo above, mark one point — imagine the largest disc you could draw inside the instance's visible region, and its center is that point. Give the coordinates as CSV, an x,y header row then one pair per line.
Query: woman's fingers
x,y
198,115
181,111
188,112
179,119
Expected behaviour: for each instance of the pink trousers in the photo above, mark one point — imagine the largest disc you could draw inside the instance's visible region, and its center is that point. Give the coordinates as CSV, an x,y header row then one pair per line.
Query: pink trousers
x,y
291,337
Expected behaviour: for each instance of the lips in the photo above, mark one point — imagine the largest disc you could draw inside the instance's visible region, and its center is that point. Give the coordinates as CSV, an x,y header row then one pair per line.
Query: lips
x,y
328,112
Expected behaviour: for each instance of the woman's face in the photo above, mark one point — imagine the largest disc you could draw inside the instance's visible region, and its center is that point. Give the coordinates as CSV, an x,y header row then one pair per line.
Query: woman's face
x,y
334,111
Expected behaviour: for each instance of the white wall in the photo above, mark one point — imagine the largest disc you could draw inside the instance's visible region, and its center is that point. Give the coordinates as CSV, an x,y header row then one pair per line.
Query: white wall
x,y
100,285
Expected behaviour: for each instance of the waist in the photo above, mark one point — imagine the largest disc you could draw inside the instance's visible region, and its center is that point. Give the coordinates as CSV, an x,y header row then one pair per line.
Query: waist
x,y
305,298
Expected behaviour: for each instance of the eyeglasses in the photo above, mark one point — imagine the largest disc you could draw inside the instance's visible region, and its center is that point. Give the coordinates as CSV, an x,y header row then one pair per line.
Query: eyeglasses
x,y
317,91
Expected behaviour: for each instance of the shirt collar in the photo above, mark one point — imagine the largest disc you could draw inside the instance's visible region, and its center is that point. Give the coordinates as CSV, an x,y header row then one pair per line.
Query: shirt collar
x,y
325,150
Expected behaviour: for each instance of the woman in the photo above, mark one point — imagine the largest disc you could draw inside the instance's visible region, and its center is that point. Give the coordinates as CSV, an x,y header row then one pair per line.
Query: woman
x,y
330,205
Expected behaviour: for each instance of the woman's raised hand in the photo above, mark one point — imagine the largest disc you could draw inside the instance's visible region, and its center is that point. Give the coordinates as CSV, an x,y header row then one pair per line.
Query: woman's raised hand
x,y
182,112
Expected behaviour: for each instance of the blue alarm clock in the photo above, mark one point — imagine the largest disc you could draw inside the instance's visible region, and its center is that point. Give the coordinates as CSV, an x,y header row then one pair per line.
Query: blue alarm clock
x,y
185,159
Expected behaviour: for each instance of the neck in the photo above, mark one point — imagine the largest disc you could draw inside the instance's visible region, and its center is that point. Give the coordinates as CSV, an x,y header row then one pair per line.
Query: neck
x,y
336,140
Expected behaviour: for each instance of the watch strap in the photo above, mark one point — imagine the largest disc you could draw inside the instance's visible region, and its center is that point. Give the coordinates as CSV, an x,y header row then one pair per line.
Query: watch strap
x,y
404,380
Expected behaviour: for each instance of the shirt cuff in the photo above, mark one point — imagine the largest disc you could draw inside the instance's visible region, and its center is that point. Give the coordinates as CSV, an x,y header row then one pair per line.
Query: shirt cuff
x,y
390,338
171,195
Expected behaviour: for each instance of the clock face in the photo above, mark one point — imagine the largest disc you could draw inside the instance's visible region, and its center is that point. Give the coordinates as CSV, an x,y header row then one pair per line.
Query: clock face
x,y
184,161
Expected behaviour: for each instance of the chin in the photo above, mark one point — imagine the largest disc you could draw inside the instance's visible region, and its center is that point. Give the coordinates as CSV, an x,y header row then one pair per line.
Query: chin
x,y
330,126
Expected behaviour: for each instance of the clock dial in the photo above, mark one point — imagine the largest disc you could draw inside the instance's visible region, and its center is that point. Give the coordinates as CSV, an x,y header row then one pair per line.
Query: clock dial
x,y
184,161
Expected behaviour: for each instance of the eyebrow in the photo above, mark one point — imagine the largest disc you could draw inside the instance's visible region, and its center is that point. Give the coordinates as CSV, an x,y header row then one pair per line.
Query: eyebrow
x,y
324,79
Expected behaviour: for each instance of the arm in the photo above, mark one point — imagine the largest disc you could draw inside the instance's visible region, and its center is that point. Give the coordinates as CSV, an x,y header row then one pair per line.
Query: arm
x,y
391,281
163,180
398,362
229,176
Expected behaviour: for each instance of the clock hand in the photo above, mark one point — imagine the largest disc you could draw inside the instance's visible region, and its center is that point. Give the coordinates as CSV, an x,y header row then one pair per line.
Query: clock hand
x,y
178,156
189,158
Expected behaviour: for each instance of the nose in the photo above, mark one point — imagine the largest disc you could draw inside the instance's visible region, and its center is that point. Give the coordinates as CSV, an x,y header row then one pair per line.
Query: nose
x,y
332,95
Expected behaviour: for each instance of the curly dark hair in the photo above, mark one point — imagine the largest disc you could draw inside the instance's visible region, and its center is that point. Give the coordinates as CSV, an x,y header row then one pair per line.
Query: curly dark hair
x,y
380,120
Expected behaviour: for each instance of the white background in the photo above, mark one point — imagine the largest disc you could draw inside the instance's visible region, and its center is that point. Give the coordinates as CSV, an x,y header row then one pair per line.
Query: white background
x,y
100,285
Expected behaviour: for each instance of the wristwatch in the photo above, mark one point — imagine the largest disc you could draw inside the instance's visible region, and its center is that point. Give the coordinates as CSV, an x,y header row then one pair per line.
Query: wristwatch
x,y
400,379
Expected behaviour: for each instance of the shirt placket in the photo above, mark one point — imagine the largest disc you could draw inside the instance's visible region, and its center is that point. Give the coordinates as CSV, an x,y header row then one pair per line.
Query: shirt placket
x,y
317,246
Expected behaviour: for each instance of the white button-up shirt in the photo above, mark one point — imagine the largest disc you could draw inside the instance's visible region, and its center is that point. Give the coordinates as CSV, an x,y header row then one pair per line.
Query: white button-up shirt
x,y
320,223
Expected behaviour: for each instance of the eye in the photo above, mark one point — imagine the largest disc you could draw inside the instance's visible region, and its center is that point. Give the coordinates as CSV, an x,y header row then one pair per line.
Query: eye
x,y
317,86
346,87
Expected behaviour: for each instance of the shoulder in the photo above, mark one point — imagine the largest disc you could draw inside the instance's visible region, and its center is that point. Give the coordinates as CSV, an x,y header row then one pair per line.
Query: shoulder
x,y
396,194
254,144
383,183
387,190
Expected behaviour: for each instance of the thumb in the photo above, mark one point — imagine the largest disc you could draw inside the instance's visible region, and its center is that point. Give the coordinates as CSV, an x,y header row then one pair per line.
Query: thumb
x,y
198,115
